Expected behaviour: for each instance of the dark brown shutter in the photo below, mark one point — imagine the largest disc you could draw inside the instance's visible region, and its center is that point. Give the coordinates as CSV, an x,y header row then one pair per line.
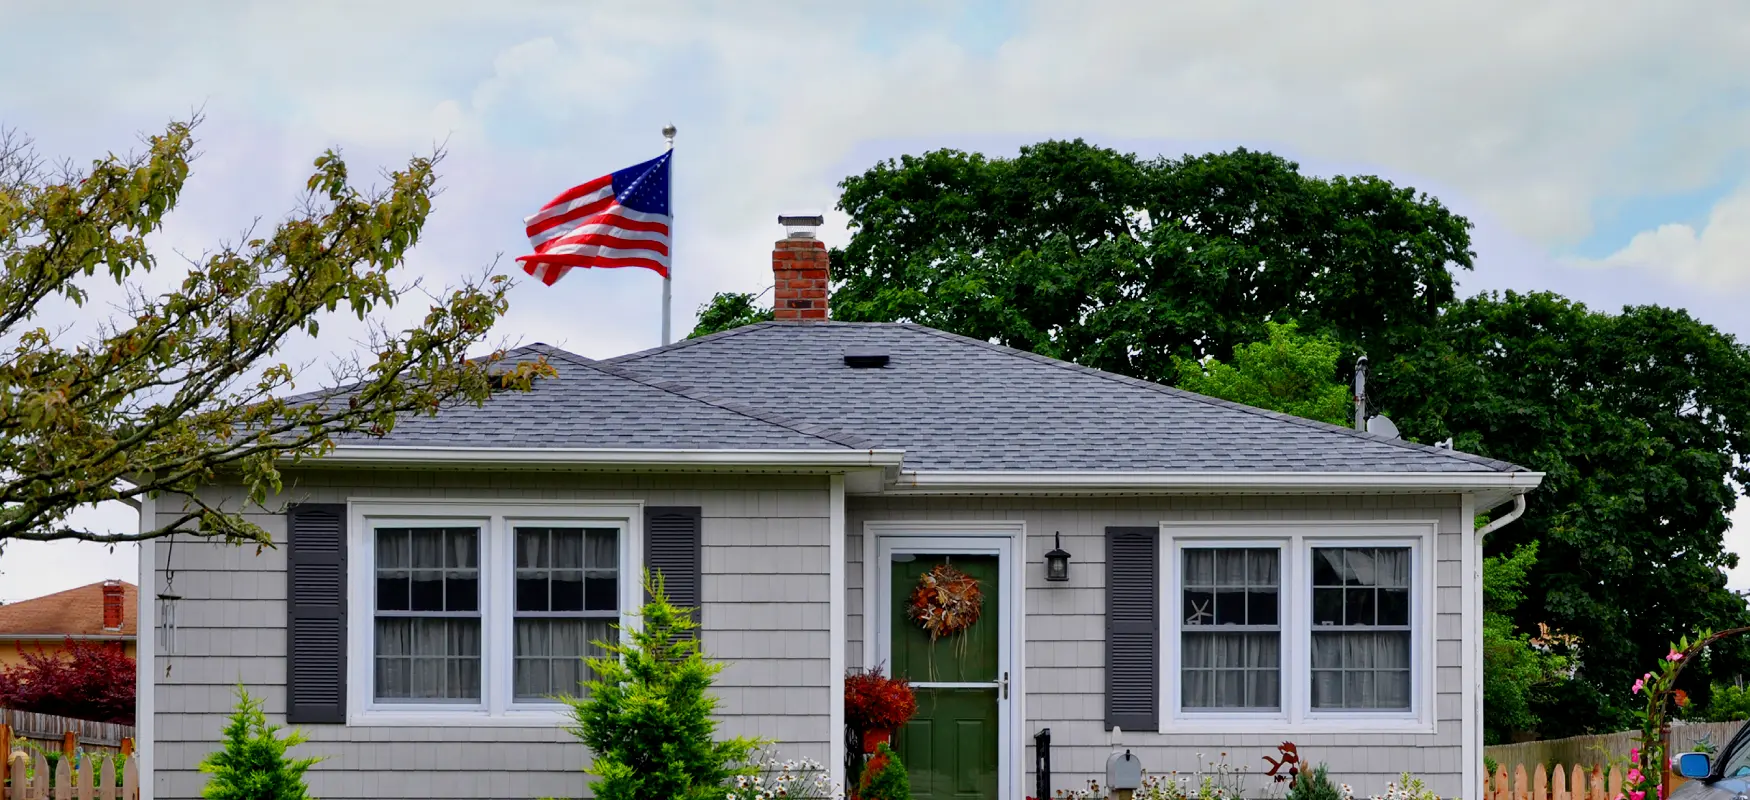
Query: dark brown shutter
x,y
316,613
673,546
1133,629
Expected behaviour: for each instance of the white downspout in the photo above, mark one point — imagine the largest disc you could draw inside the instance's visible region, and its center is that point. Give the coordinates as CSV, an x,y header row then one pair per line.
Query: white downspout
x,y
1516,513
1474,752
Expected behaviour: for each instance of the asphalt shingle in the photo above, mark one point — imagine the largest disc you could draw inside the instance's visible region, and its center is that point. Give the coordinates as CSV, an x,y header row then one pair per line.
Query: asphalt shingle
x,y
954,403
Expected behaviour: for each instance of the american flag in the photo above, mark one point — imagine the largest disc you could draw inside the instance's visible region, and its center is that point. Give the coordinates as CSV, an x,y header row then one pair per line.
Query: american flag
x,y
618,220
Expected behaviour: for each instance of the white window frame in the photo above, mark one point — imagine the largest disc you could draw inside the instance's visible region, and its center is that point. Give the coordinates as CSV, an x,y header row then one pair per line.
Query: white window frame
x,y
497,520
1297,538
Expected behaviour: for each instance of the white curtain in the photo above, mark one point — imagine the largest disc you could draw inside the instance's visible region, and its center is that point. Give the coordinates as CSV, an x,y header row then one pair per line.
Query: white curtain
x,y
550,653
1231,670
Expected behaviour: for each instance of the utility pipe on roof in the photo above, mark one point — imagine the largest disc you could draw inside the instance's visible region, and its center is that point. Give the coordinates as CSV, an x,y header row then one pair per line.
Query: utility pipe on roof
x,y
1516,513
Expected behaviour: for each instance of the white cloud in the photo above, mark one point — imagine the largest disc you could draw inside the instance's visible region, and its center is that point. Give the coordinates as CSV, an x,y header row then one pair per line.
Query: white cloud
x,y
1718,255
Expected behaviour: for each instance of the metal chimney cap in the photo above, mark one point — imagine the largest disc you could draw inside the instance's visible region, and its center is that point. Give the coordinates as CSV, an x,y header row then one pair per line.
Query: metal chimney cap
x,y
801,219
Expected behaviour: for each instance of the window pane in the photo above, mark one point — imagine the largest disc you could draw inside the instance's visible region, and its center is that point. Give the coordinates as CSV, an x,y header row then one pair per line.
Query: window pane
x,y
1261,567
393,587
568,590
1361,670
462,591
461,548
531,547
1199,607
603,591
428,590
1231,670
1392,649
1198,689
1199,567
1359,569
1394,566
392,546
568,548
1230,567
1358,607
604,549
1230,607
1261,608
1394,689
1394,606
531,590
428,548
1327,689
1327,606
1327,567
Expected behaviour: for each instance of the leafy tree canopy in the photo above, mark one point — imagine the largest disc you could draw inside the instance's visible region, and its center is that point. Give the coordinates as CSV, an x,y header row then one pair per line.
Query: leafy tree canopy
x,y
1641,422
1099,257
727,311
186,384
1639,419
1289,372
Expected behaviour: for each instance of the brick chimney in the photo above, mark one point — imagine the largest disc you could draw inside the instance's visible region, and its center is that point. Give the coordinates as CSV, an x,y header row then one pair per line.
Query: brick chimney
x,y
112,605
799,270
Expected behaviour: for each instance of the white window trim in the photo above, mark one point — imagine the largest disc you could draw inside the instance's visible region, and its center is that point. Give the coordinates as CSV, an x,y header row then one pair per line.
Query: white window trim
x,y
497,600
1297,539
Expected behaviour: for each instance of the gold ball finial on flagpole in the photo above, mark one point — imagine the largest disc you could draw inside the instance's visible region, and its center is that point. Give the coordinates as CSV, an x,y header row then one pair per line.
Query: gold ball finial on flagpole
x,y
668,134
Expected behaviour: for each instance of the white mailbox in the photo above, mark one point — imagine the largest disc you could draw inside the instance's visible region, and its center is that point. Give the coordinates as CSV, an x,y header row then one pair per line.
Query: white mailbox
x,y
1123,771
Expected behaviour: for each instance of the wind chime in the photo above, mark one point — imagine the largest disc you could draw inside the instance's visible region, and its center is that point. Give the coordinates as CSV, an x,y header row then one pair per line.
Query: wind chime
x,y
167,602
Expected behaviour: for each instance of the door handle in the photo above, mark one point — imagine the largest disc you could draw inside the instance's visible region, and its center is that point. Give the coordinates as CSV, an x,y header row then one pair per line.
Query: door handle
x,y
1004,683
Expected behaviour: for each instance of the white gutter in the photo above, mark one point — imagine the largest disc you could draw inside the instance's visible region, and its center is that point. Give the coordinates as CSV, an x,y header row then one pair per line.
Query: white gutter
x,y
593,457
963,481
1516,513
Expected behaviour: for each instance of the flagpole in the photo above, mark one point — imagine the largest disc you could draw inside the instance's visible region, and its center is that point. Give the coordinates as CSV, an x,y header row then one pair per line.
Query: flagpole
x,y
668,280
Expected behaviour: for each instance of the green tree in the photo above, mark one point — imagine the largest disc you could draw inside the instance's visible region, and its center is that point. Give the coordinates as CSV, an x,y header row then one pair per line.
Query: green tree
x,y
1099,257
727,311
1290,372
1516,666
251,763
1641,423
1640,420
647,715
885,778
186,384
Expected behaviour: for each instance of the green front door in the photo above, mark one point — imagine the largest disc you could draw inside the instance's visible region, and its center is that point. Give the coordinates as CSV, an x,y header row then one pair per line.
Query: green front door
x,y
950,747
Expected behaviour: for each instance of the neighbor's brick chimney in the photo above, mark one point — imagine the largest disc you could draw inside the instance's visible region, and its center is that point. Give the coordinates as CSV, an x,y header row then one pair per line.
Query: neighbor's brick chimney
x,y
799,271
112,605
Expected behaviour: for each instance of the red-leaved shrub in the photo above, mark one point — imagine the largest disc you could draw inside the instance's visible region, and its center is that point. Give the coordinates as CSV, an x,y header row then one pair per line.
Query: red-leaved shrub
x,y
874,701
83,680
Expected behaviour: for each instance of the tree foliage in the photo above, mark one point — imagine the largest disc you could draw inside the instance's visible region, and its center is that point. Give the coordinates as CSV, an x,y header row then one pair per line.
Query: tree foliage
x,y
885,777
1094,256
647,717
728,311
185,384
1517,666
1638,419
1288,372
1641,423
251,763
83,679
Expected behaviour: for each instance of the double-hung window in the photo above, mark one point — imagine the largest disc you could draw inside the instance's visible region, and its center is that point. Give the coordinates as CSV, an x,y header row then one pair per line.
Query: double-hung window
x,y
482,611
1298,625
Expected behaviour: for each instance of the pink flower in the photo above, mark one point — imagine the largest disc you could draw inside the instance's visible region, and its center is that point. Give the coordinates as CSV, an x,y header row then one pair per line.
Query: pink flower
x,y
1635,776
1673,656
1639,685
1634,754
1637,795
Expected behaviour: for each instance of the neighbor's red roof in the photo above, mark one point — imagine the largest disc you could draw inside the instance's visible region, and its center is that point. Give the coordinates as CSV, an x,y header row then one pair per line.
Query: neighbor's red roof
x,y
75,612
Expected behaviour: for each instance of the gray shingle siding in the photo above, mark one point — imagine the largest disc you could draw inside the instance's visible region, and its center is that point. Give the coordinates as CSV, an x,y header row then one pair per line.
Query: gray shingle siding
x,y
954,403
1065,624
765,586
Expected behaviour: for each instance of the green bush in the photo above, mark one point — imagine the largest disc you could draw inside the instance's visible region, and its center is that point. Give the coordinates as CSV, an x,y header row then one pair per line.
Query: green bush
x,y
1313,784
252,763
647,718
885,777
1729,703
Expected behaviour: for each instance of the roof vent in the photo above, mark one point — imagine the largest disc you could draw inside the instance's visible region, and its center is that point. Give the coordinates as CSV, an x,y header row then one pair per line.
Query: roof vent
x,y
865,360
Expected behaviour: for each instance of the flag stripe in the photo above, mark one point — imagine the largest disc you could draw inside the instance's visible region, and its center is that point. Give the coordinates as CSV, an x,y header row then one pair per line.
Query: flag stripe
x,y
599,224
569,243
610,220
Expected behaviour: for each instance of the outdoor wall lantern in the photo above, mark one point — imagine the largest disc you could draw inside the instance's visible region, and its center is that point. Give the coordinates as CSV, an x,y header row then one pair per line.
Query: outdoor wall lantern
x,y
1057,561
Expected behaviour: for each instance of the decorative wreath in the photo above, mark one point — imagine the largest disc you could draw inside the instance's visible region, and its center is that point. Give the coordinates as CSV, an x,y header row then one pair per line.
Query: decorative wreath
x,y
946,601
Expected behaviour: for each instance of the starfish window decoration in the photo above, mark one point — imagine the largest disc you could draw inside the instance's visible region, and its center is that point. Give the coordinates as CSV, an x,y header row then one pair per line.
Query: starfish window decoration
x,y
1200,614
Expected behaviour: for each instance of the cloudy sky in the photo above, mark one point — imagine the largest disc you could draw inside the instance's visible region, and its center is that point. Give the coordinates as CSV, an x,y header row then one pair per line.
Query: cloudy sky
x,y
1603,151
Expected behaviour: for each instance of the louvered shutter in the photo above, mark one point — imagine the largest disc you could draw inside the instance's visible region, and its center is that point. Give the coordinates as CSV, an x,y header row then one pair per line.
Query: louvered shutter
x,y
673,547
316,613
1133,629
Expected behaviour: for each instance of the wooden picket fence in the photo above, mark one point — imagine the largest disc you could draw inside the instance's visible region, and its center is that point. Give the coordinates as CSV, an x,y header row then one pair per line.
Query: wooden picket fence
x,y
1572,783
30,779
27,776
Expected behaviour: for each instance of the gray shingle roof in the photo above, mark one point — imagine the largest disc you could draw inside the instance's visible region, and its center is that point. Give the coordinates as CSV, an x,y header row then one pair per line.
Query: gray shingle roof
x,y
954,403
594,405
